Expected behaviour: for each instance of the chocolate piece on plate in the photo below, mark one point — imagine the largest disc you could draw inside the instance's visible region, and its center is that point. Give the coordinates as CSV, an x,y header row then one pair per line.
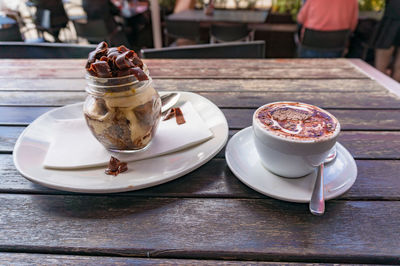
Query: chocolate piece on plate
x,y
116,167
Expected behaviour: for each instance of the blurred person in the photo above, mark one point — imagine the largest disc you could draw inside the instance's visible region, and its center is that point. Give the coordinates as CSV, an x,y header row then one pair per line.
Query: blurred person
x,y
327,15
58,16
108,12
387,40
101,9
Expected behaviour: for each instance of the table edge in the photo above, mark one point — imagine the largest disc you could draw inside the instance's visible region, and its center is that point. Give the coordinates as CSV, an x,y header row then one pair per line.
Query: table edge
x,y
384,80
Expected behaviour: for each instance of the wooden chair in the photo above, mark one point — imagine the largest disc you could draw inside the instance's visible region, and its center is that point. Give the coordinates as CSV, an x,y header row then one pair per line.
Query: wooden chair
x,y
10,33
254,49
332,41
49,16
44,50
94,31
222,32
188,30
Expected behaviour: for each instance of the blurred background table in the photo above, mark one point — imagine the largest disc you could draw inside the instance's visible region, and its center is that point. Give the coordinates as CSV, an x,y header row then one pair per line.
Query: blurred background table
x,y
234,16
209,216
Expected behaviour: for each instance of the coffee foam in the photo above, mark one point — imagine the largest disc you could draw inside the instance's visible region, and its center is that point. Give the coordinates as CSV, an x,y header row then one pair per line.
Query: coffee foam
x,y
297,121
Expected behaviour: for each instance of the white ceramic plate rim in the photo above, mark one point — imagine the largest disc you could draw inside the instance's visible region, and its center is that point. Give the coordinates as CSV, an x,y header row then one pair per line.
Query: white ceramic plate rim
x,y
208,149
253,183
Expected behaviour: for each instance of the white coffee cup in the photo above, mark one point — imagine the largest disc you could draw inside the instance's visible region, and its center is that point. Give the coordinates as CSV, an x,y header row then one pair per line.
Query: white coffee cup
x,y
290,156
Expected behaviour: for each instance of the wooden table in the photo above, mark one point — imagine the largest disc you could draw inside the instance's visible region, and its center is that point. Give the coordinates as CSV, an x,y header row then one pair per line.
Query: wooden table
x,y
235,16
208,215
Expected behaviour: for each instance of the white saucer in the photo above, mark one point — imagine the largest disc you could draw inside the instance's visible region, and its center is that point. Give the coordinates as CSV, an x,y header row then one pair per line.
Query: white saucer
x,y
32,145
243,160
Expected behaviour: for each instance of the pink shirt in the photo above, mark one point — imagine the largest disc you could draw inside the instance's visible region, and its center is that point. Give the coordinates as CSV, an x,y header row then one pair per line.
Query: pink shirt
x,y
329,14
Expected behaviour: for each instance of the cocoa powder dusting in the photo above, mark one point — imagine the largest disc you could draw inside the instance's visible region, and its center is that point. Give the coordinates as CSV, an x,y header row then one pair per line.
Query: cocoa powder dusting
x,y
290,114
297,120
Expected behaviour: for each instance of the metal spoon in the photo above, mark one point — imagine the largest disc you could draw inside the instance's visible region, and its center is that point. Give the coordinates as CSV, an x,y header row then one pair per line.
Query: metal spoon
x,y
168,100
317,202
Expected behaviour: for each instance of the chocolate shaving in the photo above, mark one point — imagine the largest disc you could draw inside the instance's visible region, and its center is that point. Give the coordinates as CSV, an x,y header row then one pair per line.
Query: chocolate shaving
x,y
136,61
169,114
120,62
102,69
116,167
122,167
177,113
138,73
102,46
123,60
179,116
122,49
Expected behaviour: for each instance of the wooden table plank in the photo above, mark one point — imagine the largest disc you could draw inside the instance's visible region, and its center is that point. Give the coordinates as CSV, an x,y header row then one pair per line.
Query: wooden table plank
x,y
200,72
382,120
45,259
379,145
210,85
214,180
253,73
349,119
259,229
18,116
209,213
326,100
186,63
8,137
386,81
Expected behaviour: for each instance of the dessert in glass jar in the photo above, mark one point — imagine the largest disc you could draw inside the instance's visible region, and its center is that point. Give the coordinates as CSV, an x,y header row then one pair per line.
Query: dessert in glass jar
x,y
122,108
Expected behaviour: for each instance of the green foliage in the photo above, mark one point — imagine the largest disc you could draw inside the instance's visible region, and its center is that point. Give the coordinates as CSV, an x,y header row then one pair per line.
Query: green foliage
x,y
286,7
168,4
371,5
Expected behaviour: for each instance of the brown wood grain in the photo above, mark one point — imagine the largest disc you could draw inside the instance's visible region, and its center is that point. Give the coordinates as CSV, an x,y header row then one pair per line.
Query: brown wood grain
x,y
349,119
8,137
239,118
375,145
254,73
261,229
364,144
381,100
376,180
210,85
383,79
207,216
46,259
42,84
24,116
196,72
184,63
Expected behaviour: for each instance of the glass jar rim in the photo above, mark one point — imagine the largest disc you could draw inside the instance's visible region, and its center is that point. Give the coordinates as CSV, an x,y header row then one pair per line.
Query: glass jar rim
x,y
135,86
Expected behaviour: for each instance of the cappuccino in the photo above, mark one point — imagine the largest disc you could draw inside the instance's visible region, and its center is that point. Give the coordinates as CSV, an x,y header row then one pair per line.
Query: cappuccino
x,y
297,121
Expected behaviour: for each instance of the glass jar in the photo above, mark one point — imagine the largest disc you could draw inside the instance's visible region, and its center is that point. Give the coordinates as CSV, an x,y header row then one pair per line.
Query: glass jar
x,y
122,112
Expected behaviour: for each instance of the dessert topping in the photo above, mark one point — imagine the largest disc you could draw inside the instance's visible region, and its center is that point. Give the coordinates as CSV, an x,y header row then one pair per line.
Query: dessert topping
x,y
111,62
115,167
177,113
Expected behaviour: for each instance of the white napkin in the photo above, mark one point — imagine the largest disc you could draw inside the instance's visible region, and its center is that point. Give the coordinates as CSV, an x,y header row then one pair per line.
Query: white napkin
x,y
73,146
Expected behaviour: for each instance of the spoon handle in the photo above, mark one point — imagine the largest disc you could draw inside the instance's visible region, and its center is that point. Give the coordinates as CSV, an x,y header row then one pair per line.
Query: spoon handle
x,y
317,202
168,100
